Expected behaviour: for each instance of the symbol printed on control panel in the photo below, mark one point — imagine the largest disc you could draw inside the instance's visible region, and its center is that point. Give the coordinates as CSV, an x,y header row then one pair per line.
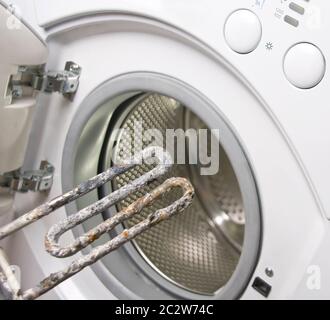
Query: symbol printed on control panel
x,y
269,46
260,3
279,13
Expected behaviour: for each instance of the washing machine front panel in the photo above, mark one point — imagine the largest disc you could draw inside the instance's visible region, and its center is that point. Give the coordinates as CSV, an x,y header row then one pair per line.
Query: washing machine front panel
x,y
290,179
150,46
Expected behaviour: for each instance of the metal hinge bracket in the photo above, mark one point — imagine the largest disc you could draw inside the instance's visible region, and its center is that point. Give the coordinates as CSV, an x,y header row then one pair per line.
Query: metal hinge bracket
x,y
36,180
65,82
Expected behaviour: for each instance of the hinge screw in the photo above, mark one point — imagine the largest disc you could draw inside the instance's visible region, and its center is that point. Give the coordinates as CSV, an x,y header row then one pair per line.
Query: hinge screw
x,y
269,272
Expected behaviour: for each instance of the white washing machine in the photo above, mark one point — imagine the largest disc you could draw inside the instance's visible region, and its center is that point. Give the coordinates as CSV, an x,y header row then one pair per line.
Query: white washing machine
x,y
253,69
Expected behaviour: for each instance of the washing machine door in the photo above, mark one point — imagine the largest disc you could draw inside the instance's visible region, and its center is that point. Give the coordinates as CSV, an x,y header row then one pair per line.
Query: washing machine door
x,y
19,46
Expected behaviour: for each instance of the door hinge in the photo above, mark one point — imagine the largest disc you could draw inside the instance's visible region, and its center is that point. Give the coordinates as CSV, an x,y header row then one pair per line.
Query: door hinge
x,y
35,180
65,82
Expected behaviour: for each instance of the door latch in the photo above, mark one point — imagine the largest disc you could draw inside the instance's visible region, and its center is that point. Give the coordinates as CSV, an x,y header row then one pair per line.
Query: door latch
x,y
36,180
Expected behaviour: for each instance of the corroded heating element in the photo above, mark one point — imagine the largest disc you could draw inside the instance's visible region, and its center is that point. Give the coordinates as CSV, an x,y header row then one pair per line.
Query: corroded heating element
x,y
56,231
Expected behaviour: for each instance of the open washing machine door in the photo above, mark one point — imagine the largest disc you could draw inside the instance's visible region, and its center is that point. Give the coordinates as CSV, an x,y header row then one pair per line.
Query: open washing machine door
x,y
19,47
135,68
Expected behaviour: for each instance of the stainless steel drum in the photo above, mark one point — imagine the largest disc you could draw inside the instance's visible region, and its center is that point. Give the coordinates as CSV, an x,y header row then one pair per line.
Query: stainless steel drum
x,y
198,250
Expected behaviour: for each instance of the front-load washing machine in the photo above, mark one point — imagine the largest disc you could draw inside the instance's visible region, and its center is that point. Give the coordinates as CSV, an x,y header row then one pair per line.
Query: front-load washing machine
x,y
77,75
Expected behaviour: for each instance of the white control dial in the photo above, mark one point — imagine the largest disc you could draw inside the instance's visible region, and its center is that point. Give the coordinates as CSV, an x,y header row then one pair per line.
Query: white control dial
x,y
243,31
304,65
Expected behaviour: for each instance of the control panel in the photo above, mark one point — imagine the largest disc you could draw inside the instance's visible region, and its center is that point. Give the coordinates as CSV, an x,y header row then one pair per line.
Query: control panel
x,y
304,63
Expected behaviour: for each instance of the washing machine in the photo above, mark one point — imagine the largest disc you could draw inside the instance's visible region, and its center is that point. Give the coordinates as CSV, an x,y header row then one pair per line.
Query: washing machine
x,y
73,73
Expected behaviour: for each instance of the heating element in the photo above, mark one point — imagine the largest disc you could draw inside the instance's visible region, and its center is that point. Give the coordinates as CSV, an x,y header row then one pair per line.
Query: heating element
x,y
8,282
